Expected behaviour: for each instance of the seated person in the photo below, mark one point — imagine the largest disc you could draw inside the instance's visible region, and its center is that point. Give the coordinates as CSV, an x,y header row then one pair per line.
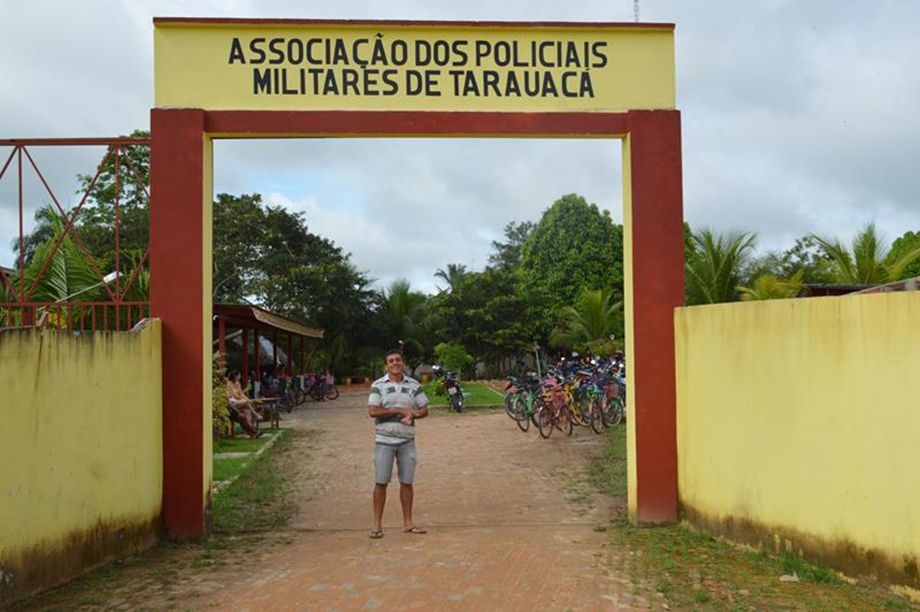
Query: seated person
x,y
242,404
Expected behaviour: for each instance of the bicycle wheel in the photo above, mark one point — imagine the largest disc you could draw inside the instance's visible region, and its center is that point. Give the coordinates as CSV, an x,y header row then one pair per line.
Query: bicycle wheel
x,y
316,392
597,418
564,421
532,408
544,418
520,415
510,400
614,412
332,392
577,411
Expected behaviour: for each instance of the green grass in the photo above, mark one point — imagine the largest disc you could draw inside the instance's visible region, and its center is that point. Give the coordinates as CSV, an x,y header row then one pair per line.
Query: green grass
x,y
261,498
227,468
242,444
607,469
794,564
476,395
696,571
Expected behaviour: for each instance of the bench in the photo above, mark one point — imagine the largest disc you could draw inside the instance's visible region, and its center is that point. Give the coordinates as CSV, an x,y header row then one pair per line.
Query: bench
x,y
263,405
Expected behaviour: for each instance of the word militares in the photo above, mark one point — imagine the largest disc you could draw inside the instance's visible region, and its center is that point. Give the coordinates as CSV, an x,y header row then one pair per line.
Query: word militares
x,y
374,67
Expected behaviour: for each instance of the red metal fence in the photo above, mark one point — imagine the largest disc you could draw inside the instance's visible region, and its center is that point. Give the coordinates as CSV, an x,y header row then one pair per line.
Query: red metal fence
x,y
124,299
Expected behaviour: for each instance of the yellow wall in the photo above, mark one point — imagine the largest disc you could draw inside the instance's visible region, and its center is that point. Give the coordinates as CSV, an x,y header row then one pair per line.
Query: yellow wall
x,y
632,499
198,65
799,426
207,238
81,452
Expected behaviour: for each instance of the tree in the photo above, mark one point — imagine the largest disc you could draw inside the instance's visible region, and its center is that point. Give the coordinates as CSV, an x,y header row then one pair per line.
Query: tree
x,y
906,243
574,247
452,356
769,287
488,314
402,312
239,224
808,256
869,263
453,276
588,324
97,219
714,266
507,255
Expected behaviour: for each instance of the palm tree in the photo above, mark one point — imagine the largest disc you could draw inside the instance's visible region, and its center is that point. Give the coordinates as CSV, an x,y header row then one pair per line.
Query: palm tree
x,y
868,263
403,309
769,287
66,269
57,270
714,264
453,276
589,322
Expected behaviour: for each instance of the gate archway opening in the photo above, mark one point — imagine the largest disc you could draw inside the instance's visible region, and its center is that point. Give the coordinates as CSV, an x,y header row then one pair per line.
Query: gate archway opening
x,y
219,79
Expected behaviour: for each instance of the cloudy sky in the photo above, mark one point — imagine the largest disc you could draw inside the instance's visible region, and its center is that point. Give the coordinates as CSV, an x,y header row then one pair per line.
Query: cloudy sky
x,y
798,117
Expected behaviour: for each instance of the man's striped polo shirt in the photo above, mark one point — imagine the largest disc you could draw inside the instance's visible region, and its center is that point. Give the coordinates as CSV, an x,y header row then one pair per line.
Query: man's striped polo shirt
x,y
389,394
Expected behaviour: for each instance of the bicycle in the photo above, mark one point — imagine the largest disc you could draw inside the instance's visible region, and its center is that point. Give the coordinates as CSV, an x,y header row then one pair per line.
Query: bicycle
x,y
553,410
319,390
520,401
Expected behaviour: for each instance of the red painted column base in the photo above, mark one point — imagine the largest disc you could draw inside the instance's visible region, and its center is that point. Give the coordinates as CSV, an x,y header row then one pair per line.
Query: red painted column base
x,y
176,297
658,288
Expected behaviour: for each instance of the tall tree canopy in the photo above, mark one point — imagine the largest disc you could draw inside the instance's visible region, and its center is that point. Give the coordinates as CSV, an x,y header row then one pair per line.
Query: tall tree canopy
x,y
575,246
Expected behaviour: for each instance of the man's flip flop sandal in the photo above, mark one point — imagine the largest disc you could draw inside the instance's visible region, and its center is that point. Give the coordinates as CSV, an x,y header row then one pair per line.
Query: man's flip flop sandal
x,y
376,534
415,530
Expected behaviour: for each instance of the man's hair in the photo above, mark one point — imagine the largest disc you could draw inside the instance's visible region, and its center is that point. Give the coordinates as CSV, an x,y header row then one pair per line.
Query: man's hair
x,y
392,352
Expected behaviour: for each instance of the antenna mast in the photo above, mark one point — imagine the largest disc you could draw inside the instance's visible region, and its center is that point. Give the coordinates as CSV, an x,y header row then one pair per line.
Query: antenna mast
x,y
636,10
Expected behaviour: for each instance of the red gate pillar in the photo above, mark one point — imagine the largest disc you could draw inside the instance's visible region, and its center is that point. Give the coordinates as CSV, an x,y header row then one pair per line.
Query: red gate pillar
x,y
654,264
245,367
179,268
222,343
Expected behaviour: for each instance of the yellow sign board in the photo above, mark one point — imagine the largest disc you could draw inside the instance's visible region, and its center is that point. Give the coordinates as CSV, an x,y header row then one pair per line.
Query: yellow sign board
x,y
288,65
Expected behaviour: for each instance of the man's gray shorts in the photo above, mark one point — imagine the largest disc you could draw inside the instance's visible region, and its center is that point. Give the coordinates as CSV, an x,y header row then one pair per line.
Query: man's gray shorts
x,y
406,459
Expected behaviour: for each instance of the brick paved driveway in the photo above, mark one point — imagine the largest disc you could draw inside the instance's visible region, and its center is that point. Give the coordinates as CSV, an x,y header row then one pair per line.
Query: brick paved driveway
x,y
507,530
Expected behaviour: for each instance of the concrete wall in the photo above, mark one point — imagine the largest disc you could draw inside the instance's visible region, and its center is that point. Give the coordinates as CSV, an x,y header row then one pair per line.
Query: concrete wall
x,y
799,427
80,452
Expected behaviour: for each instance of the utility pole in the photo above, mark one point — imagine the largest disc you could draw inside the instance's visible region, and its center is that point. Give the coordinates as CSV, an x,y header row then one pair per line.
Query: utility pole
x,y
636,10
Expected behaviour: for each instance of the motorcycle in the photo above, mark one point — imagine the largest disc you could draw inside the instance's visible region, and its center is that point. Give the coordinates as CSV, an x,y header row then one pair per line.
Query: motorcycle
x,y
454,391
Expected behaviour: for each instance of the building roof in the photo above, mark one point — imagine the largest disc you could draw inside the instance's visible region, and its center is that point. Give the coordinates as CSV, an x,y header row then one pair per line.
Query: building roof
x,y
910,284
253,317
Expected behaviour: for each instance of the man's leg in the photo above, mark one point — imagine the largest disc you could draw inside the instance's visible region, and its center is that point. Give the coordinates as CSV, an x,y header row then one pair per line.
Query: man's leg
x,y
380,500
405,496
383,471
407,459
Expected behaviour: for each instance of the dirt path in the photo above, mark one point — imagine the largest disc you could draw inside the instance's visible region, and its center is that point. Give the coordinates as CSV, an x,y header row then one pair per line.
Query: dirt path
x,y
505,530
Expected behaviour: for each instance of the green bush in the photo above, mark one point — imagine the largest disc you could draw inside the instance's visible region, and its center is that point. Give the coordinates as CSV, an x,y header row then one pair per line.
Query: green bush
x,y
220,412
453,356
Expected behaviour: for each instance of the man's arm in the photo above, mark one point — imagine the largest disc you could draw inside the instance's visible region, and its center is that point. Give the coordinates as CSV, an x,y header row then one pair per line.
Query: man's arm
x,y
377,412
420,413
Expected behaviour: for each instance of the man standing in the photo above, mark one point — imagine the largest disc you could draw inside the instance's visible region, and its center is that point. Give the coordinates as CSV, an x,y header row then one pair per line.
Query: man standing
x,y
395,402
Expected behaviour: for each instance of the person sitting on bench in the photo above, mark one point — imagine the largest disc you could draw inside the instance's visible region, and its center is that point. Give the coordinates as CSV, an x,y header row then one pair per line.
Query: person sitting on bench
x,y
242,405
